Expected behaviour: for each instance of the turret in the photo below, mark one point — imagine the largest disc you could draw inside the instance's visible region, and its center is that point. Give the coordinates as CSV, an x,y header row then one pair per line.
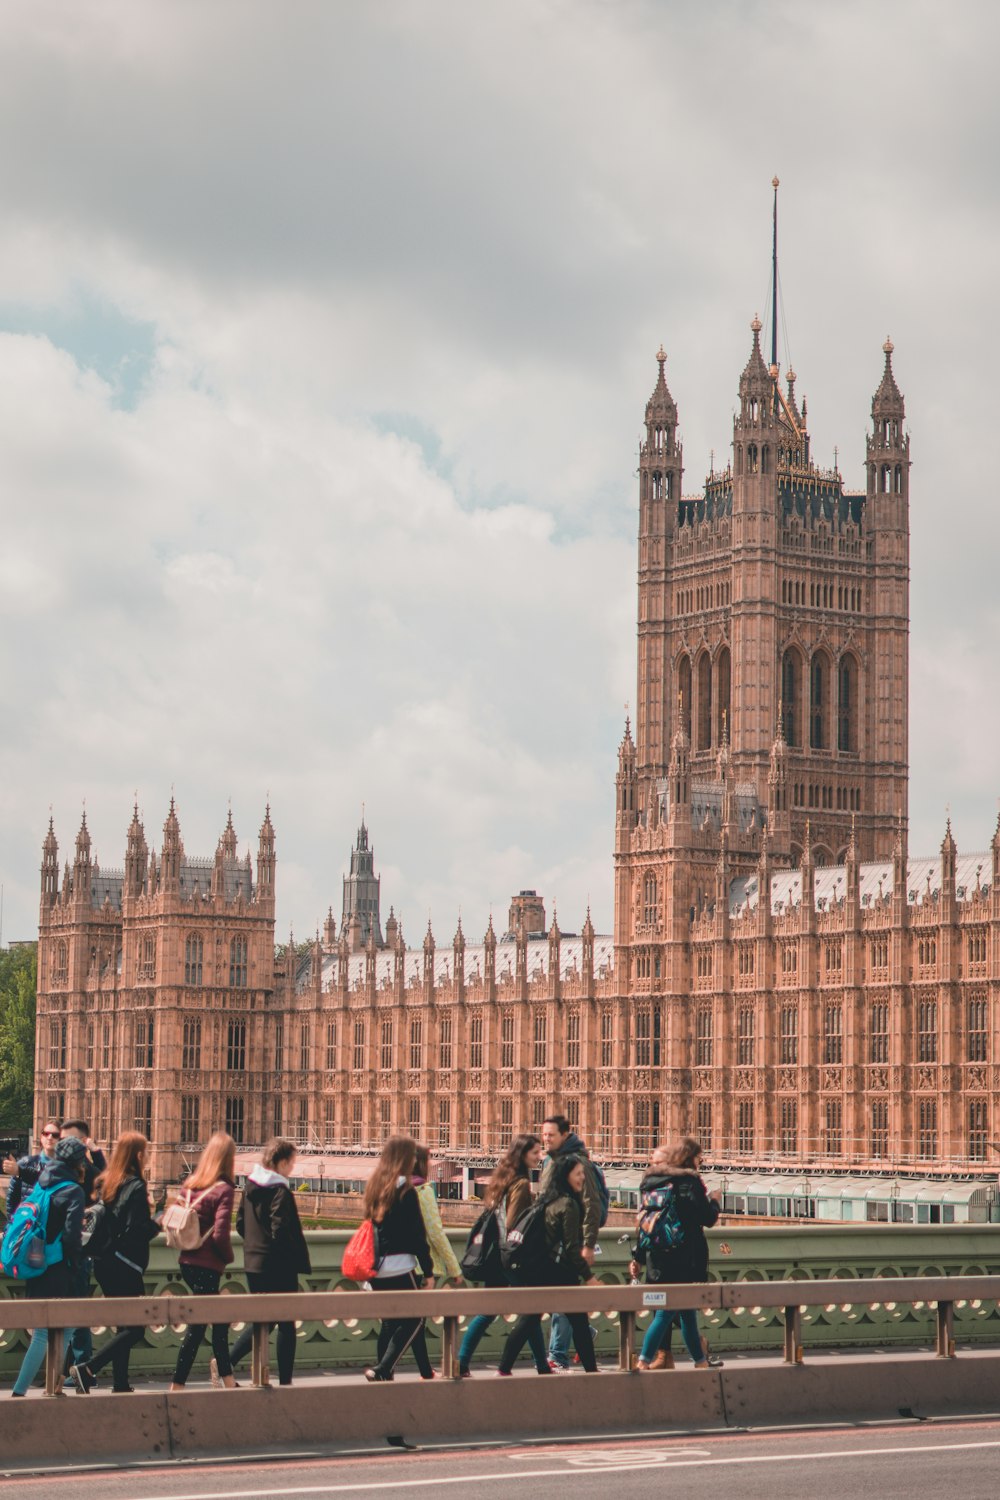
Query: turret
x,y
588,951
265,870
50,868
429,961
81,865
228,840
458,957
136,856
888,446
808,872
391,928
555,957
660,460
490,960
626,782
329,926
172,853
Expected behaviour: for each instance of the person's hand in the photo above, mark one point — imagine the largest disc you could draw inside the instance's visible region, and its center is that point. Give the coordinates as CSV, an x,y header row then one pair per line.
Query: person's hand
x,y
10,1165
592,1282
634,1268
588,1254
715,1196
428,1283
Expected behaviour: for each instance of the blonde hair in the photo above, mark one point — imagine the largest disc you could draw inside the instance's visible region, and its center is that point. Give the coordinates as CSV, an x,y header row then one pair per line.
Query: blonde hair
x,y
215,1164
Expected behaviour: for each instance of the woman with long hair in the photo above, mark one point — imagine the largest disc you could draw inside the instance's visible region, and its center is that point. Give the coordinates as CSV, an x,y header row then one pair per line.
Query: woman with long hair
x,y
508,1192
404,1257
564,1263
275,1253
674,1170
443,1258
210,1191
122,1265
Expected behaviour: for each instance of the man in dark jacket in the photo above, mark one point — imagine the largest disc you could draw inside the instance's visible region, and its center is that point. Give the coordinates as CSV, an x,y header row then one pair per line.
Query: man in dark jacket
x,y
560,1141
28,1169
62,1174
81,1345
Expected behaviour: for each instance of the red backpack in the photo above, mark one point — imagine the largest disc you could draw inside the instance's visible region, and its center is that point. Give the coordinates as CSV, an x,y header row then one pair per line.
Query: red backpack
x,y
360,1258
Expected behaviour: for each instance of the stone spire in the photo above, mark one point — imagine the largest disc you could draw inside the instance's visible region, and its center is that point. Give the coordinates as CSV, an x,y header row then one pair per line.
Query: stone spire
x,y
50,867
228,840
136,856
266,859
172,852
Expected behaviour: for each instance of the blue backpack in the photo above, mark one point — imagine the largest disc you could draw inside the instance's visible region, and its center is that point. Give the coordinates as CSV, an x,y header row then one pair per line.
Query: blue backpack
x,y
659,1225
24,1251
603,1190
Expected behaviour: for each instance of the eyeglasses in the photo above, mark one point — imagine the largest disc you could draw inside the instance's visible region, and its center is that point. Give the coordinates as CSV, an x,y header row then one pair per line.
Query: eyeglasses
x,y
50,1135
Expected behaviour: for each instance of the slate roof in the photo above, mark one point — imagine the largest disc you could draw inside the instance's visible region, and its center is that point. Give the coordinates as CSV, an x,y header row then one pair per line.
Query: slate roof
x,y
570,957
923,882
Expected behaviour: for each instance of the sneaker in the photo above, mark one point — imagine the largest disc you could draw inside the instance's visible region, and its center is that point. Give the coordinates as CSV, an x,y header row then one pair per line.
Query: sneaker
x,y
81,1378
214,1376
558,1369
373,1375
464,1373
504,1373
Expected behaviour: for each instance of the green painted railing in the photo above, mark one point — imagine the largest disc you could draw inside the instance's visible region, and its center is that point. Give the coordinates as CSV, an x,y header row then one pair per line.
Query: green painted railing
x,y
840,1252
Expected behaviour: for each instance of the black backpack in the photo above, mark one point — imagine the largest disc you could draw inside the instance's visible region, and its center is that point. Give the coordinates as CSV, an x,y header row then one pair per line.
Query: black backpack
x,y
98,1235
481,1261
523,1252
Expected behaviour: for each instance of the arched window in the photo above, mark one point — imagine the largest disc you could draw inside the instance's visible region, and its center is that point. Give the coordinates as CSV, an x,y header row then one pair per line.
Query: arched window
x,y
752,458
668,486
704,702
684,692
819,688
723,676
193,950
791,695
739,458
886,479
897,480
238,963
650,903
657,486
847,703
765,460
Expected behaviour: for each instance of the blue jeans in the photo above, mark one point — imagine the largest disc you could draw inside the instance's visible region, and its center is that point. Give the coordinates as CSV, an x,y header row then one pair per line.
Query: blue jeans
x,y
660,1326
559,1340
34,1358
81,1342
477,1328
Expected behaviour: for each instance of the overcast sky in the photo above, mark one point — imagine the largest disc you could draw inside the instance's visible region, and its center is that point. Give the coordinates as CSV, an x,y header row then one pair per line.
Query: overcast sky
x,y
326,331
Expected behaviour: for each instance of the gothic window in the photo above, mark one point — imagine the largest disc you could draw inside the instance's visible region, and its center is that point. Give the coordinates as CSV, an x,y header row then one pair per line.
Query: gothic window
x,y
61,963
789,1050
475,1124
745,1036
791,695
444,1043
847,704
142,1114
507,1039
143,1042
819,678
384,1115
886,479
788,1125
190,1119
650,903
607,1037
385,1045
684,692
897,480
752,460
235,1115
978,1129
703,1037
833,1128
657,1035
236,1048
191,1043
833,1041
444,1122
358,1056
506,1116
90,1046
744,959
880,953
927,1031
704,702
304,1047
765,460
331,1046
416,1043
279,1044
238,964
329,1117
927,1129
193,952
789,958
57,1044
744,1126
413,1115
147,957
641,1043
357,1121
878,1033
976,1037
657,486
573,1039
703,1123
704,963
879,1139
540,1054
106,1044
476,1042
278,1115
976,947
723,688
833,953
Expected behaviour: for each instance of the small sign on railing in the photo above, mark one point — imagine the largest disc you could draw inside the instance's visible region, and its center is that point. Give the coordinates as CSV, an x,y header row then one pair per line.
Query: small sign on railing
x,y
654,1299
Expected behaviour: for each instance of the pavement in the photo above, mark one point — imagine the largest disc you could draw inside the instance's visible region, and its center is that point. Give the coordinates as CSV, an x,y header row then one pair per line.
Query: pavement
x,y
896,1459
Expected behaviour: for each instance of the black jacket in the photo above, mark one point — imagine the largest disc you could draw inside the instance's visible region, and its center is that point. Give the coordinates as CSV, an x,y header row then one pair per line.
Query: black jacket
x,y
132,1225
65,1215
697,1212
402,1232
25,1175
268,1222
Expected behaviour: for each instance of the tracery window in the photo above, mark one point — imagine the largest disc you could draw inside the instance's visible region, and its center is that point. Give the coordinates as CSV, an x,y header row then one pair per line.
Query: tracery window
x,y
789,1049
833,1128
236,1048
444,1043
976,1030
476,1042
927,1031
193,953
833,1041
416,1043
238,964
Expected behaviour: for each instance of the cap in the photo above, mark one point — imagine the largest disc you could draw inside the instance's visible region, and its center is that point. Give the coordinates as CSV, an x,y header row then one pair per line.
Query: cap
x,y
72,1151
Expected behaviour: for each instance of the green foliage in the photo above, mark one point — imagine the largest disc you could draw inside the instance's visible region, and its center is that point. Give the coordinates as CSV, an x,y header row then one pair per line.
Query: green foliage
x,y
18,975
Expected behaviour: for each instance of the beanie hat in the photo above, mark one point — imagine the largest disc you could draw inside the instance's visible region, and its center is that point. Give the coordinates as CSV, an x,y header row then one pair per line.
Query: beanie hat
x,y
72,1151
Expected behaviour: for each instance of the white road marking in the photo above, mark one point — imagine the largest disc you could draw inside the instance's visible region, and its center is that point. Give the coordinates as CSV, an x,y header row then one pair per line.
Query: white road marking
x,y
504,1478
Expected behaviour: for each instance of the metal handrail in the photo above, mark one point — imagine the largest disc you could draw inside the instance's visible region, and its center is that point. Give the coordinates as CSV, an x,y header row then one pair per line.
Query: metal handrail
x,y
624,1302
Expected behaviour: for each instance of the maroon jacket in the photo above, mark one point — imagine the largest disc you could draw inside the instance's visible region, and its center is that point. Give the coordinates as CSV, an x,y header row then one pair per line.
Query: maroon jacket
x,y
214,1207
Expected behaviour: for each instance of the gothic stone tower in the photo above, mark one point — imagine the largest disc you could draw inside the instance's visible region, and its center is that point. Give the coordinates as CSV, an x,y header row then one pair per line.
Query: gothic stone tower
x,y
360,917
774,612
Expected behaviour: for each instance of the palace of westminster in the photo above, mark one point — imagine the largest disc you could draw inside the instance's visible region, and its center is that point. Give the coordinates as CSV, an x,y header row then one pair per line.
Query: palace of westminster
x,y
784,979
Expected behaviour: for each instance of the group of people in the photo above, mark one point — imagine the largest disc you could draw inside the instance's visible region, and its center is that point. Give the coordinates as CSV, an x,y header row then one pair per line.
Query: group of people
x,y
562,1222
114,1247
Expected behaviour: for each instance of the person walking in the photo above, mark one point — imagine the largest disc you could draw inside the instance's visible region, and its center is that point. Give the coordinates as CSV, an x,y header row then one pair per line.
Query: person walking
x,y
560,1140
444,1261
508,1192
62,1178
210,1190
120,1267
275,1253
404,1256
565,1263
26,1170
674,1170
81,1344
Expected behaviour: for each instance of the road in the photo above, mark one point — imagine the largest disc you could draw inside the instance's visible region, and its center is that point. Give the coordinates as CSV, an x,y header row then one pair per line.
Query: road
x,y
900,1459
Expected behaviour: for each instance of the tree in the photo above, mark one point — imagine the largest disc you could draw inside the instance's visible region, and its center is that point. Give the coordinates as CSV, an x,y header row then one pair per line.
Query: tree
x,y
18,976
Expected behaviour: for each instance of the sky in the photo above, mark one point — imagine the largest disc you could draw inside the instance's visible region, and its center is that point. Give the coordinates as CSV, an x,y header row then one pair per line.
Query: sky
x,y
326,333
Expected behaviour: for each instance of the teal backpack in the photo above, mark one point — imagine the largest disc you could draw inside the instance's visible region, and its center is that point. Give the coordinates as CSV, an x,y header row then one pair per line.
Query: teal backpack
x,y
24,1251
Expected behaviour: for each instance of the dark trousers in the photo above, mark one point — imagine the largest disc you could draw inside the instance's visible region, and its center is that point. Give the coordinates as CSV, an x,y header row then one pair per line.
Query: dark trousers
x,y
265,1281
116,1279
81,1340
397,1334
203,1283
529,1324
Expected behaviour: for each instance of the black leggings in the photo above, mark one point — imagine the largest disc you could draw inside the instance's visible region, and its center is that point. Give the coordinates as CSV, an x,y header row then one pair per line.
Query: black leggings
x,y
116,1279
527,1322
203,1283
397,1334
262,1281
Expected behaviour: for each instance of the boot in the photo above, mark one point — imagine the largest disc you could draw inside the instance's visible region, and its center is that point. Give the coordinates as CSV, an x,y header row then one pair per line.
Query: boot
x,y
663,1360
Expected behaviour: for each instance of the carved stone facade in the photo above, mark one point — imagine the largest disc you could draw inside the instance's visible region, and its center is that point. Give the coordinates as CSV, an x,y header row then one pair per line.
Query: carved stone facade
x,y
782,980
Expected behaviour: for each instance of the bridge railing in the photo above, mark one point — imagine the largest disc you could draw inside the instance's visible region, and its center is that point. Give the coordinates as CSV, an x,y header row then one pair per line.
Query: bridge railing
x,y
624,1303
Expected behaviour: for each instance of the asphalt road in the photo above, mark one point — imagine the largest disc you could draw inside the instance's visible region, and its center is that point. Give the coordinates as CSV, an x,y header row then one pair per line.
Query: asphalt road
x,y
895,1460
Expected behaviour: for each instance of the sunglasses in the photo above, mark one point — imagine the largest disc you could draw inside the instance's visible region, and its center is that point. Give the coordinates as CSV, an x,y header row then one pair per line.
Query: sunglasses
x,y
50,1135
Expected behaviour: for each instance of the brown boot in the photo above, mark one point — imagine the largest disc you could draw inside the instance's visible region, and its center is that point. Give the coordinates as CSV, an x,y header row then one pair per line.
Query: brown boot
x,y
664,1360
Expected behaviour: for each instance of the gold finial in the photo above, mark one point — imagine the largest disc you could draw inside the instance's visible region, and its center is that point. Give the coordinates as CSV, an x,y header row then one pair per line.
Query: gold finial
x,y
888,346
756,325
775,183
